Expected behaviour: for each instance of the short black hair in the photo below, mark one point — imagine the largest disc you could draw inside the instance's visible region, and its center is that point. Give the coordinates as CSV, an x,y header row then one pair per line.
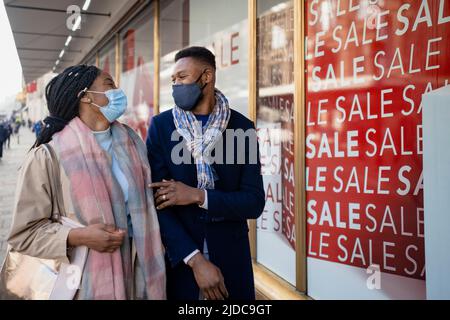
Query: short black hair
x,y
200,53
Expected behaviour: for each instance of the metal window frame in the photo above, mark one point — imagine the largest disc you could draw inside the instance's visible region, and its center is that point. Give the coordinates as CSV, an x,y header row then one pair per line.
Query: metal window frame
x,y
156,56
299,134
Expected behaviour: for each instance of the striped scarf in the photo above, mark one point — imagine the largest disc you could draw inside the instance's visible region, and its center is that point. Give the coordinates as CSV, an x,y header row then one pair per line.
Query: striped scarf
x,y
200,140
98,198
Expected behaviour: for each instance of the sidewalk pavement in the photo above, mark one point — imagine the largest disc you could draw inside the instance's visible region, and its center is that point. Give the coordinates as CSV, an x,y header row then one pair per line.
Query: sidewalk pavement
x,y
9,165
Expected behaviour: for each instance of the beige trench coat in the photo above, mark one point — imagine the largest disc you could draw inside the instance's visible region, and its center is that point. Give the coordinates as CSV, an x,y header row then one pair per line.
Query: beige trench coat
x,y
32,232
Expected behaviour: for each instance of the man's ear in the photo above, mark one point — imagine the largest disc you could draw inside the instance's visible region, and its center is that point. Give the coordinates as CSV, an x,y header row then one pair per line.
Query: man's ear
x,y
209,75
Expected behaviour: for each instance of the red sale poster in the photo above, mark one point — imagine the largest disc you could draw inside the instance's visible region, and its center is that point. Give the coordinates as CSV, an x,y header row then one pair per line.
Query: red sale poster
x,y
287,168
277,154
368,64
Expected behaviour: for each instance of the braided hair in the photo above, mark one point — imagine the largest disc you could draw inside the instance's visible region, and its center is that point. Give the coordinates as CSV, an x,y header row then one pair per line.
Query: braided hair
x,y
63,94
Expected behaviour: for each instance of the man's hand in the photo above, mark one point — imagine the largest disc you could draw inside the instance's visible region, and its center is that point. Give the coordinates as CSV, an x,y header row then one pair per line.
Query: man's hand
x,y
209,278
175,193
98,237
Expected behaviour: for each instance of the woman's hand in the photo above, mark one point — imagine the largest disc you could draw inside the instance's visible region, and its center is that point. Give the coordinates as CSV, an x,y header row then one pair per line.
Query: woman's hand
x,y
98,237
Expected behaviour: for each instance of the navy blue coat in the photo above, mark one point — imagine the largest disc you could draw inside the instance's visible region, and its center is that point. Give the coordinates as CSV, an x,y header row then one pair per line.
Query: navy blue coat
x,y
238,196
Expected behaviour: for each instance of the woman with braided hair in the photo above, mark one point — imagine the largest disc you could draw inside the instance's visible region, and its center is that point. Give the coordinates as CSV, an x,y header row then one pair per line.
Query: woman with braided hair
x,y
104,174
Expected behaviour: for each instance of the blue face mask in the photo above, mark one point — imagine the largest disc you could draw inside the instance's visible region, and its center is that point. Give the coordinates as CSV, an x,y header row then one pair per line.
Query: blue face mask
x,y
187,96
116,106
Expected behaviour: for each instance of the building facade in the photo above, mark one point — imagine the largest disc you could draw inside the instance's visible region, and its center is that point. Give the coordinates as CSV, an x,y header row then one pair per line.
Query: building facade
x,y
334,87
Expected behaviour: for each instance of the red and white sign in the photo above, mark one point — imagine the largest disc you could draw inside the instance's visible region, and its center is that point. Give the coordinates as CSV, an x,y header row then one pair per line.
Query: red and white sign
x,y
368,64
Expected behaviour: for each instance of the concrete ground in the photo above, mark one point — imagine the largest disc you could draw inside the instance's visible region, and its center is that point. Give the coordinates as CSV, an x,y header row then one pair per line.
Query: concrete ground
x,y
9,164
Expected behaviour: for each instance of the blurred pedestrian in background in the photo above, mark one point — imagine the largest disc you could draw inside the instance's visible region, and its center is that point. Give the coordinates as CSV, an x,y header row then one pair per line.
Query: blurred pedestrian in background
x,y
10,132
3,137
17,125
37,128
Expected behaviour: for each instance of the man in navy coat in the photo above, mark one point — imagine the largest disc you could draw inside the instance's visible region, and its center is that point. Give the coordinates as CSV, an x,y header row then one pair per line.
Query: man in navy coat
x,y
203,211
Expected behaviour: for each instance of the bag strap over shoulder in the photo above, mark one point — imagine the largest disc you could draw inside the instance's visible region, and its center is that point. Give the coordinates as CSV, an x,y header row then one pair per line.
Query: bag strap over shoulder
x,y
56,186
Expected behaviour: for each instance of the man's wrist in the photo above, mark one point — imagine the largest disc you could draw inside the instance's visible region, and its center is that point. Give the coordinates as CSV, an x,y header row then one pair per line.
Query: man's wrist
x,y
193,262
199,197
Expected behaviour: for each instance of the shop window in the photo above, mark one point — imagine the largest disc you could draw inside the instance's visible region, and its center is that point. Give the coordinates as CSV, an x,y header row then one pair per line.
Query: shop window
x,y
107,58
275,124
368,64
90,61
197,22
137,69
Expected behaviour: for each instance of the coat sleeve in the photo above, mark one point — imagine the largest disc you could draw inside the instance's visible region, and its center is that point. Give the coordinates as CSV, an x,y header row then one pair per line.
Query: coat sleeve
x,y
32,231
177,242
246,203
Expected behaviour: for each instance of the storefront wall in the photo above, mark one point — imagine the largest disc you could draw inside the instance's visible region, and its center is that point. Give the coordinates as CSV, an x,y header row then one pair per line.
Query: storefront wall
x,y
35,99
91,61
107,58
342,167
184,23
137,70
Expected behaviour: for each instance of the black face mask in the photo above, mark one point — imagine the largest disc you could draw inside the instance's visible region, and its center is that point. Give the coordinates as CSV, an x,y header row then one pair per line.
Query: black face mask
x,y
187,96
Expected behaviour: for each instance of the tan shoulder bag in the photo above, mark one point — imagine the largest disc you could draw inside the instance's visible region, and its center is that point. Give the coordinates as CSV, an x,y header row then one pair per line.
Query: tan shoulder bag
x,y
30,278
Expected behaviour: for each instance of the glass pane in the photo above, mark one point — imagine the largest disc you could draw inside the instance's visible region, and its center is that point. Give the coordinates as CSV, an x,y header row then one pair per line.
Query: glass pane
x,y
90,61
187,23
275,125
107,57
368,64
137,70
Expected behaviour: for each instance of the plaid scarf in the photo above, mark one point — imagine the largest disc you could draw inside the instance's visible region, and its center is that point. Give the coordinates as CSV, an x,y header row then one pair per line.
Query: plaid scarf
x,y
200,140
98,198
